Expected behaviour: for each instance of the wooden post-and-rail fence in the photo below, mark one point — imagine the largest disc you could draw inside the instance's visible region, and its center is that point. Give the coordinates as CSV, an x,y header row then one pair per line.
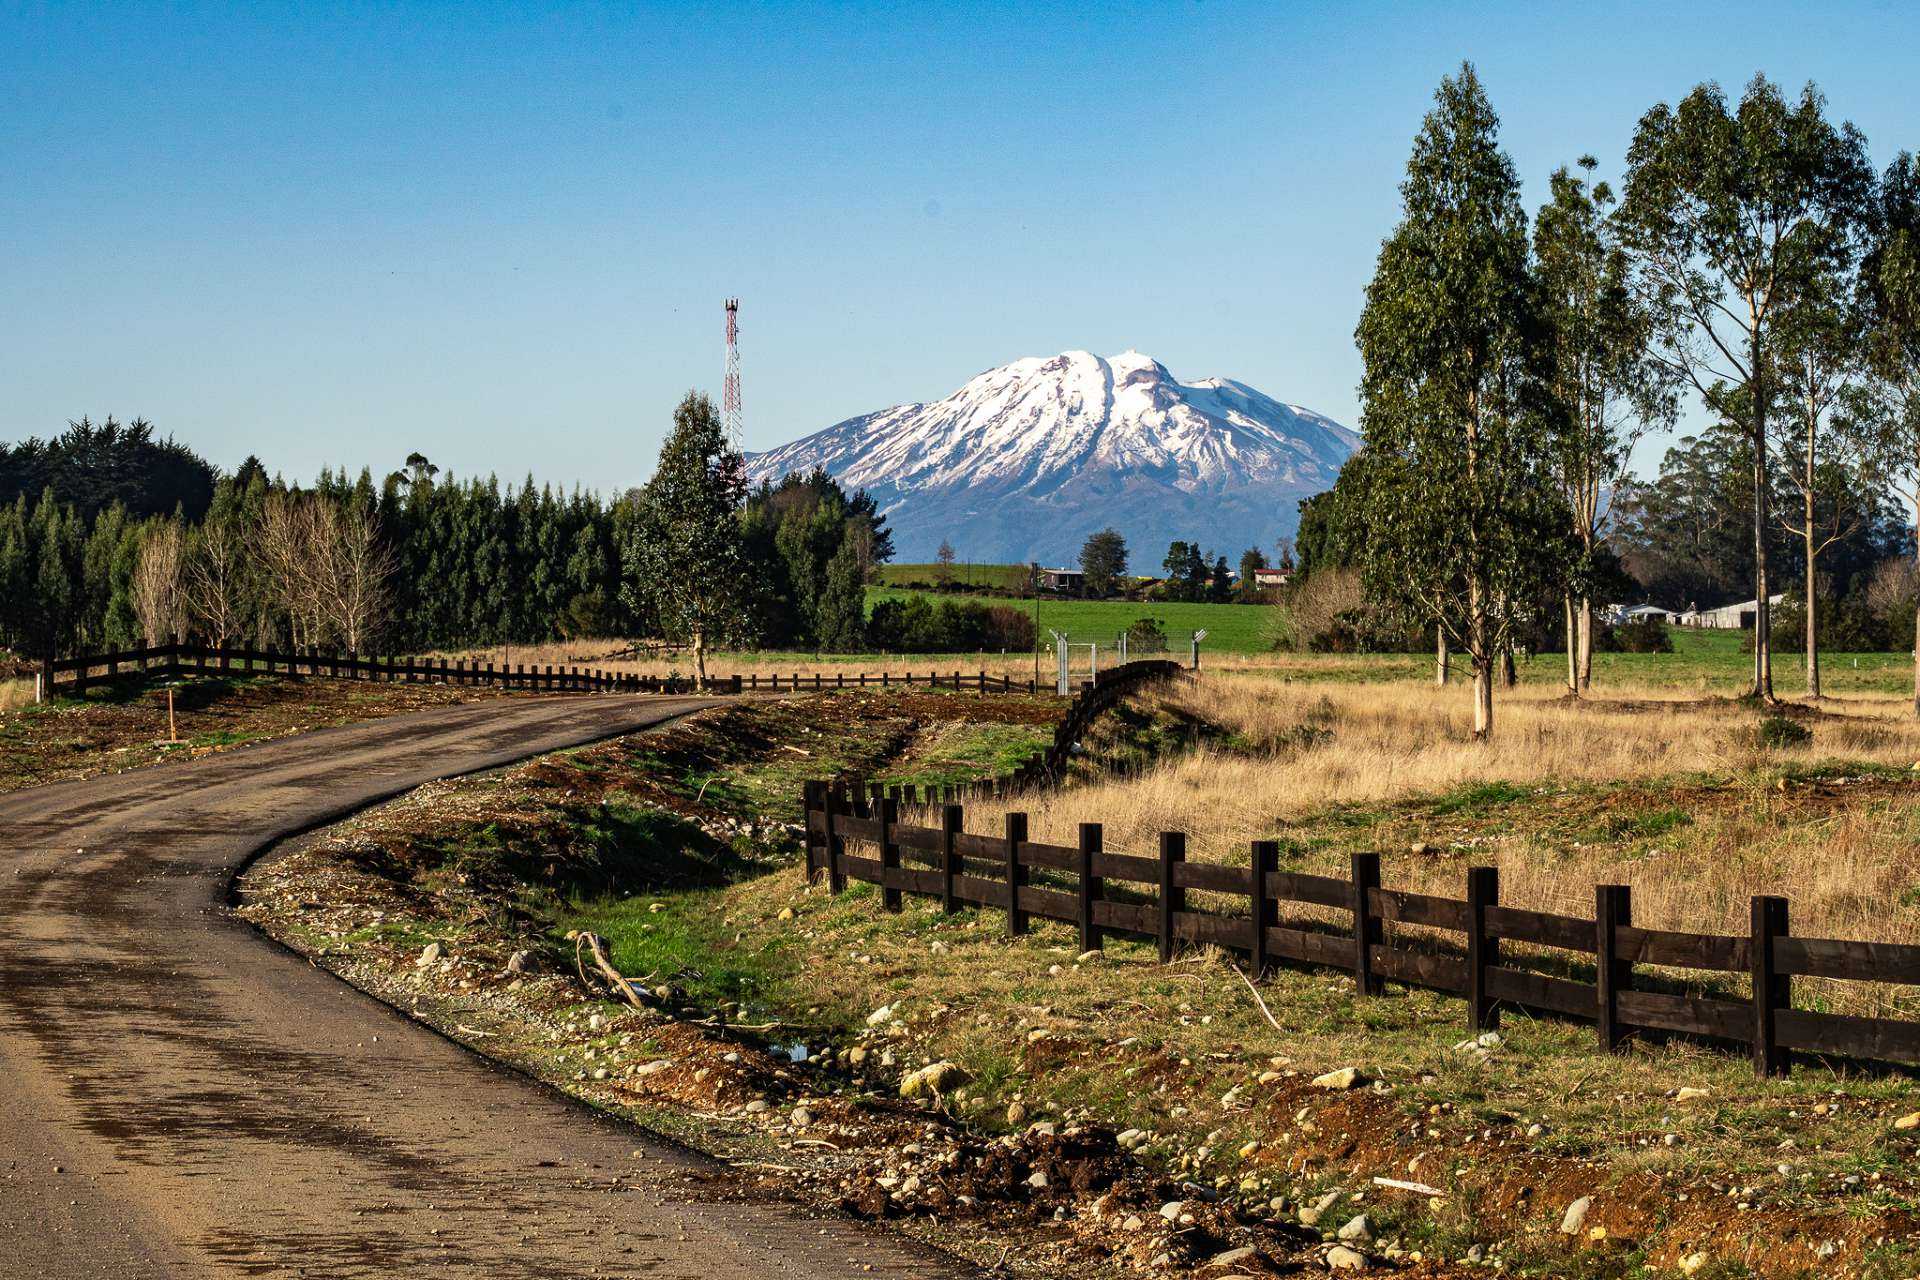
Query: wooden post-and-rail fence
x,y
856,834
74,675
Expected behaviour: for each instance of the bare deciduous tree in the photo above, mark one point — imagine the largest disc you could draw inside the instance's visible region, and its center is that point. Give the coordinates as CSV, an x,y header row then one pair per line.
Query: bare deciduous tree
x,y
158,600
359,570
216,579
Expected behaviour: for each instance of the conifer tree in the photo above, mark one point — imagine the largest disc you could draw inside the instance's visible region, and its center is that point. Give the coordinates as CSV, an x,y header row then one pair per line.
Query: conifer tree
x,y
684,561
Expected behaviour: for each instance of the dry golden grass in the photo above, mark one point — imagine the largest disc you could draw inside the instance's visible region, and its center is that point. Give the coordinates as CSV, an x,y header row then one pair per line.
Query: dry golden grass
x,y
1334,768
15,694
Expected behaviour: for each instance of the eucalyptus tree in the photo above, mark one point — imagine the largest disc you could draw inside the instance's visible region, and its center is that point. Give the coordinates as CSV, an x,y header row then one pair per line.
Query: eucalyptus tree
x,y
1460,518
1606,388
1829,449
1891,283
683,563
1727,211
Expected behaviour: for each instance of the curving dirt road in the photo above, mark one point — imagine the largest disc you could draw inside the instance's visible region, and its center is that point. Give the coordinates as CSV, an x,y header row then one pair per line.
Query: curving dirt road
x,y
181,1098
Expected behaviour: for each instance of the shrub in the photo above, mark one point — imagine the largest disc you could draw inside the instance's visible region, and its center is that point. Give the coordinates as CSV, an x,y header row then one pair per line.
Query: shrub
x,y
1146,635
1647,635
1011,629
1776,731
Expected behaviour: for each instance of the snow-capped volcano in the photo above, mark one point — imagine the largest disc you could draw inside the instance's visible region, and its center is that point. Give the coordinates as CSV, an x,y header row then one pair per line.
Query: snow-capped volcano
x,y
1026,460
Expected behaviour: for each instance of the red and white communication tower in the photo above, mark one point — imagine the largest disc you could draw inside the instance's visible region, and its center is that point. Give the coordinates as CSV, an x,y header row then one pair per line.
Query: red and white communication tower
x,y
730,395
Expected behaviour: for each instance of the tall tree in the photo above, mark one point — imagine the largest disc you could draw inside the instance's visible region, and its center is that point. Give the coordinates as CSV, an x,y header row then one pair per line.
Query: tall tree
x,y
1450,403
684,563
1103,562
1820,339
1252,561
1606,388
1726,211
1891,276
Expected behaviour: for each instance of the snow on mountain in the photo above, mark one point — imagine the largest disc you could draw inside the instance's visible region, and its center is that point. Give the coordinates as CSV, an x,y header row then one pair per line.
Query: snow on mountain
x,y
1024,461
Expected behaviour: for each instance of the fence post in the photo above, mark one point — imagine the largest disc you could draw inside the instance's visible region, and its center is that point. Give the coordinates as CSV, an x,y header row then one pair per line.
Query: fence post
x,y
812,796
1266,859
1612,908
1173,897
1483,951
1016,835
950,821
1772,990
889,854
1366,923
836,843
1091,889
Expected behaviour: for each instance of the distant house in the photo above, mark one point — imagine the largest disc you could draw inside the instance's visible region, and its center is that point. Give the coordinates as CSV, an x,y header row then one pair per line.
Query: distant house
x,y
1615,615
1728,617
1265,579
1065,581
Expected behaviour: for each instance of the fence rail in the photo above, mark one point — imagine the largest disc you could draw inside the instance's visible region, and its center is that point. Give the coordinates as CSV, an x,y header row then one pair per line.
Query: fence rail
x,y
74,675
855,833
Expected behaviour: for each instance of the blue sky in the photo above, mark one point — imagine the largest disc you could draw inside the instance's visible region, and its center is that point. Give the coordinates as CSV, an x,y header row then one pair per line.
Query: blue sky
x,y
501,234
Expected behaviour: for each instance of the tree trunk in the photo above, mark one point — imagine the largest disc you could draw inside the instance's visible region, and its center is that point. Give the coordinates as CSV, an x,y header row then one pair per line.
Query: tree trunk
x,y
1586,643
1813,638
1762,620
1573,649
1480,650
1483,698
1508,678
1916,611
1440,657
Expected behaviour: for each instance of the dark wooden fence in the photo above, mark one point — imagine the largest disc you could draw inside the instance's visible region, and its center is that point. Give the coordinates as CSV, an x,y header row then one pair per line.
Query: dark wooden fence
x,y
74,675
1102,894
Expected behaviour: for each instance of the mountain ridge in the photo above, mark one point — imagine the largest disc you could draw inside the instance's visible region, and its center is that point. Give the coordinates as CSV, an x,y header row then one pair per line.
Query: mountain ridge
x,y
1026,459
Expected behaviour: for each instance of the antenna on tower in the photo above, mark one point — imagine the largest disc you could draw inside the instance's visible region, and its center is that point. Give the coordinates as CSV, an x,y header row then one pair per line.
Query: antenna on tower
x,y
730,395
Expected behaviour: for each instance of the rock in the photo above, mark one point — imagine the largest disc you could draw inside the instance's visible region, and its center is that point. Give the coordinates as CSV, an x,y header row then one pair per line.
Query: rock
x,y
1575,1216
1693,1262
1310,1214
755,1107
1088,957
802,1117
1133,1223
1129,1139
653,1068
428,954
934,1079
1172,1209
1911,1120
1037,1179
1243,1254
881,1016
1341,1258
1344,1078
786,913
1690,1094
1357,1229
520,962
596,1023
1489,1040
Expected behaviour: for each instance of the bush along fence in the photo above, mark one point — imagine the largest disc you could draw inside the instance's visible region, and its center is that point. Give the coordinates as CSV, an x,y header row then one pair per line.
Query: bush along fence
x,y
1094,697
1106,894
73,676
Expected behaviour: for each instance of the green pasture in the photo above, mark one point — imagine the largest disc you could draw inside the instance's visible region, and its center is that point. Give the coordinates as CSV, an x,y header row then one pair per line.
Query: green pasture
x,y
1230,628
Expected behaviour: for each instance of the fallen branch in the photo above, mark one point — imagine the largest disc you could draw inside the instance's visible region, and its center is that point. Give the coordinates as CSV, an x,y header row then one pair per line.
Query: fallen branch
x,y
1255,992
591,942
1418,1188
